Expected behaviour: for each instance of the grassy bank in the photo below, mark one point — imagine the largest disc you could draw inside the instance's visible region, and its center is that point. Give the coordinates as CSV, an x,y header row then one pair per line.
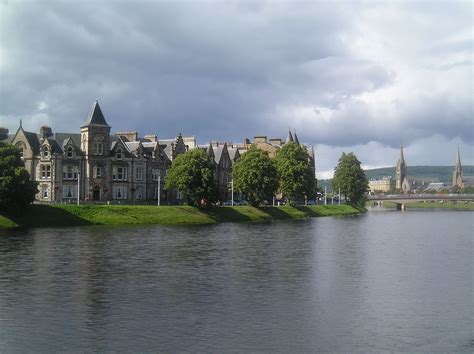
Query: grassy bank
x,y
434,205
72,215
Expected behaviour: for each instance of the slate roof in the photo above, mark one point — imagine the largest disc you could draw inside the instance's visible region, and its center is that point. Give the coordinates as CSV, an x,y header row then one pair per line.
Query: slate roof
x,y
295,137
233,153
218,152
289,138
95,116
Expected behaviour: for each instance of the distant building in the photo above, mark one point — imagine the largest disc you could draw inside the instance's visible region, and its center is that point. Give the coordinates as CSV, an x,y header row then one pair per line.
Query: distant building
x,y
383,185
457,174
401,181
435,186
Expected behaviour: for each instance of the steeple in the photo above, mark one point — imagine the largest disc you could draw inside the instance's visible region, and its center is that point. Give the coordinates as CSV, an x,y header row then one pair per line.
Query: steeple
x,y
289,138
402,158
295,137
457,174
95,116
401,171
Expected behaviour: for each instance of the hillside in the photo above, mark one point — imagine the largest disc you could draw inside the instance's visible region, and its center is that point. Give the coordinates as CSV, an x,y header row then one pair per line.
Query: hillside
x,y
442,173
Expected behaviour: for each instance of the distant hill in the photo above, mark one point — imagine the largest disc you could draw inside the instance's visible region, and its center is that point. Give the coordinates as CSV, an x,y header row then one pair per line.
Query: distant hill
x,y
442,173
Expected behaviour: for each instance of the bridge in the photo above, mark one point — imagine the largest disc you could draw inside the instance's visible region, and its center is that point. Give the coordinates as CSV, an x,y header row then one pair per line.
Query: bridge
x,y
401,199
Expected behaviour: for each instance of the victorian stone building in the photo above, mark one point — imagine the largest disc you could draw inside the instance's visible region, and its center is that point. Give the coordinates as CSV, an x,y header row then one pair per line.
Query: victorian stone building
x,y
96,164
103,167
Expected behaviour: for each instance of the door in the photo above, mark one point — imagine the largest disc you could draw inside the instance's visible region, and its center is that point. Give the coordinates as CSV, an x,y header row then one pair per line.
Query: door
x,y
96,194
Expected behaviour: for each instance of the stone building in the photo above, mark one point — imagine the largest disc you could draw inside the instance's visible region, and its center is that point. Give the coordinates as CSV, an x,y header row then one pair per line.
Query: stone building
x,y
101,166
384,185
401,181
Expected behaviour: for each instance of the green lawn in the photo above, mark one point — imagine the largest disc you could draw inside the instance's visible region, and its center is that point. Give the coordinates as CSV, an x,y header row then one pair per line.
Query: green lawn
x,y
73,215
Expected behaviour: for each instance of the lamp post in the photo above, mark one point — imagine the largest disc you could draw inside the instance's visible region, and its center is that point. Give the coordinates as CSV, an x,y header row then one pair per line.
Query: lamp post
x,y
325,195
159,189
339,195
232,190
78,187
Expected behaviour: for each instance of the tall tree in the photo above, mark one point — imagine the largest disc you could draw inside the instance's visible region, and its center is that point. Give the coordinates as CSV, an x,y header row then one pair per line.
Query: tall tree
x,y
255,175
351,179
16,189
295,173
192,173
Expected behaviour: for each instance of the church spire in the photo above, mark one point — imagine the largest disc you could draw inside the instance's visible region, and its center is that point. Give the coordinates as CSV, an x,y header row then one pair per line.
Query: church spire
x,y
458,161
457,174
289,138
402,158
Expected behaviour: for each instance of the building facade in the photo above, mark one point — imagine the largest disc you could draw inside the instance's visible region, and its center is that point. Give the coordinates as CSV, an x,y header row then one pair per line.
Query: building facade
x,y
384,185
97,165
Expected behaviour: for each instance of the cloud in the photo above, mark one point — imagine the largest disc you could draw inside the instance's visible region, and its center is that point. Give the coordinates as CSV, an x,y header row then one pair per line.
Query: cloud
x,y
343,75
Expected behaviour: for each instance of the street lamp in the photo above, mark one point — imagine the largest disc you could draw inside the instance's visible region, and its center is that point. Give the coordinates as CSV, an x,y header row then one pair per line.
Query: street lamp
x,y
159,189
78,186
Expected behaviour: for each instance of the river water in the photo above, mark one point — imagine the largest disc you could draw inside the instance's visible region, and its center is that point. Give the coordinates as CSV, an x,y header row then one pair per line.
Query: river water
x,y
400,281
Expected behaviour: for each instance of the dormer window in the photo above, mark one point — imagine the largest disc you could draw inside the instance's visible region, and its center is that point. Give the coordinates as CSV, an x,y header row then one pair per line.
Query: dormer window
x,y
118,155
45,152
69,152
20,148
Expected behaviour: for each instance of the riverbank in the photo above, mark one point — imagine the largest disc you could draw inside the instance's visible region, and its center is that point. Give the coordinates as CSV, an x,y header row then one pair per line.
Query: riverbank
x,y
433,205
73,215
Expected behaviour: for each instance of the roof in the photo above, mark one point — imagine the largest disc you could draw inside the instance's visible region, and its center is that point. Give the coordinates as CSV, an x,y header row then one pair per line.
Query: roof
x,y
95,116
289,138
218,152
233,153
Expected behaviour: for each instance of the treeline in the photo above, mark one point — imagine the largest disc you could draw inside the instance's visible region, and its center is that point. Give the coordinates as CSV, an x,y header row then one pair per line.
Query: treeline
x,y
256,176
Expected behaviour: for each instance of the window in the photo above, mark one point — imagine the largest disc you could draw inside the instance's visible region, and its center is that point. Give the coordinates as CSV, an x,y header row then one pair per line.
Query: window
x,y
98,148
97,171
155,173
70,191
119,174
118,155
20,147
69,152
70,172
139,174
119,192
139,193
45,152
45,171
45,191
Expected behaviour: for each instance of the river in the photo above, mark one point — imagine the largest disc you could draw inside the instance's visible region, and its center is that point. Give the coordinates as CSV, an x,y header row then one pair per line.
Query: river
x,y
381,281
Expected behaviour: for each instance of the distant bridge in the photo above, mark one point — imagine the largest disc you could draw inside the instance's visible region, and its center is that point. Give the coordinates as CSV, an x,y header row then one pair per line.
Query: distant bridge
x,y
406,198
401,199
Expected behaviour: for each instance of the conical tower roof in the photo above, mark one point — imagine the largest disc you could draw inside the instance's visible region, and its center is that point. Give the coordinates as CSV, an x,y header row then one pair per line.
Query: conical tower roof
x,y
95,116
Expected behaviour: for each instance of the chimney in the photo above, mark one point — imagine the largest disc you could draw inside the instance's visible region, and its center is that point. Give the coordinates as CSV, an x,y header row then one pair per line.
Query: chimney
x,y
45,132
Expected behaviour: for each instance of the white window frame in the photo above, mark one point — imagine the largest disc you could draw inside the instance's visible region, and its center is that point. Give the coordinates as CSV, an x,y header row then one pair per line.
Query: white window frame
x,y
45,171
69,152
139,174
97,171
119,173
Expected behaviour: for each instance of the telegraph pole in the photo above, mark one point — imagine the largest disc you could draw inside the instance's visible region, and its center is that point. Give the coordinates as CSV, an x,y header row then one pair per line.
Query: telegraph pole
x,y
339,195
232,190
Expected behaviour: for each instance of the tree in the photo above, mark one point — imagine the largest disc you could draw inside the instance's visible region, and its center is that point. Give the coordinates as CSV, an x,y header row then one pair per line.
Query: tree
x,y
192,173
255,175
350,178
295,173
16,189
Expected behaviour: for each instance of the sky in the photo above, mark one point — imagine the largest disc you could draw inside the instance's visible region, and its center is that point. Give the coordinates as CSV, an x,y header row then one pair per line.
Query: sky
x,y
346,76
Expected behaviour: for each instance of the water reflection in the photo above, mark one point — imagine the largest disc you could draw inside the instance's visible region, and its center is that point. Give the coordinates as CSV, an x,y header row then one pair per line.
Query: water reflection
x,y
367,283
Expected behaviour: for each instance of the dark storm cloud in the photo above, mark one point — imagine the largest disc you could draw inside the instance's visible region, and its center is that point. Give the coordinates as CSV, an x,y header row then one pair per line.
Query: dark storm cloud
x,y
342,75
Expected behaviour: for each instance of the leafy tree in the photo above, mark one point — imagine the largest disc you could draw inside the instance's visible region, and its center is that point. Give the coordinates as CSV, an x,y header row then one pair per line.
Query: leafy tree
x,y
350,178
295,173
192,173
255,176
16,189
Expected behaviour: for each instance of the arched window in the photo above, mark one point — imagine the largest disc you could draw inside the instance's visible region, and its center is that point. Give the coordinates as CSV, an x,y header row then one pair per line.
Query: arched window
x,y
69,152
45,152
118,155
20,147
